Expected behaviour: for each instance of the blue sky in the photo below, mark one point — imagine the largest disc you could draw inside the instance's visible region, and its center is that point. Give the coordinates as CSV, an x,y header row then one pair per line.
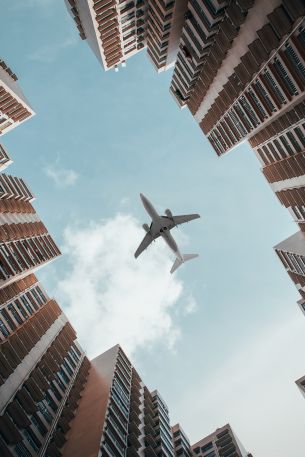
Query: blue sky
x,y
224,338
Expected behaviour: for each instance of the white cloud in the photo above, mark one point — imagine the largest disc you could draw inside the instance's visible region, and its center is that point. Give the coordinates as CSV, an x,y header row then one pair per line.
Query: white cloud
x,y
62,178
255,391
112,298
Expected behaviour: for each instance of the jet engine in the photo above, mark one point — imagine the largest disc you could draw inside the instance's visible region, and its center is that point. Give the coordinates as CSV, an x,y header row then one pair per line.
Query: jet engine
x,y
169,213
146,228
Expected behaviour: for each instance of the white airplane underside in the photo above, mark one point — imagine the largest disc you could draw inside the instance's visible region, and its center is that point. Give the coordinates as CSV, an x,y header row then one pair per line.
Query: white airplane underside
x,y
161,227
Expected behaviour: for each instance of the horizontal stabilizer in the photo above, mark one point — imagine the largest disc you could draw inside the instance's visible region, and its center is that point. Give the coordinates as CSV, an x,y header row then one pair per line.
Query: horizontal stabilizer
x,y
179,262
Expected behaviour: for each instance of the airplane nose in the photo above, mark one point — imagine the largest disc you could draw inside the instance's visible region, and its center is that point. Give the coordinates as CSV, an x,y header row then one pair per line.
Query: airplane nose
x,y
142,197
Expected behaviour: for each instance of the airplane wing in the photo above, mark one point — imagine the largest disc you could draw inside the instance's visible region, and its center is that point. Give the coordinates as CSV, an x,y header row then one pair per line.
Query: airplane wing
x,y
144,244
184,218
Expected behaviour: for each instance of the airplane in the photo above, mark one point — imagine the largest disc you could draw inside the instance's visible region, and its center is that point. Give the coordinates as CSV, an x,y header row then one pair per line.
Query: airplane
x,y
161,226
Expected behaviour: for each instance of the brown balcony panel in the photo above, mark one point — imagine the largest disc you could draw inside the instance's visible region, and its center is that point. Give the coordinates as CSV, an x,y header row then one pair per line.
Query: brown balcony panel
x,y
113,52
236,15
133,440
99,7
280,21
112,47
21,114
133,417
109,41
107,16
113,56
133,428
104,28
268,37
295,9
111,38
101,2
149,430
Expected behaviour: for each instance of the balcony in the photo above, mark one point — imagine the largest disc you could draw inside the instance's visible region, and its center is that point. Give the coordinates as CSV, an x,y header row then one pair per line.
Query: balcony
x,y
148,419
149,452
133,417
121,433
135,397
113,443
118,416
134,406
149,430
131,452
109,450
133,441
133,428
150,441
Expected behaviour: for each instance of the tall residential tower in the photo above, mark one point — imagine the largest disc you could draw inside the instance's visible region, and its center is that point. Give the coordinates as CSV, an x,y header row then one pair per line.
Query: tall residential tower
x,y
116,30
14,107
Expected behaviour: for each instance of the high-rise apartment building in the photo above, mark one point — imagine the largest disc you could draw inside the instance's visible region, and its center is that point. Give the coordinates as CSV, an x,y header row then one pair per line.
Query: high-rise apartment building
x,y
122,417
14,107
280,147
116,30
248,84
222,442
165,20
42,368
251,68
25,244
117,416
182,446
42,371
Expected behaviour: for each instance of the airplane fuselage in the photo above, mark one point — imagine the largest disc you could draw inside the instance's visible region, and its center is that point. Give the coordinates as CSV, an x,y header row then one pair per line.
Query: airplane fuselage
x,y
160,225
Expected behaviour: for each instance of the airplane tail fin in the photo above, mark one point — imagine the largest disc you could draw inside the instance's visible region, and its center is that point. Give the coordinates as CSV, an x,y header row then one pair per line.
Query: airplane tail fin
x,y
179,262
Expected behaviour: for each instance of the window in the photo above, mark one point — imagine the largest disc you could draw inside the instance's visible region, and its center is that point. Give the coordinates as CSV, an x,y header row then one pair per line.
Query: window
x,y
67,367
63,375
21,309
237,123
22,451
12,309
8,319
286,145
3,328
60,383
276,155
55,391
32,439
37,297
275,87
207,446
280,148
295,61
300,135
294,142
285,77
51,402
258,104
39,425
26,304
249,111
261,91
45,412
